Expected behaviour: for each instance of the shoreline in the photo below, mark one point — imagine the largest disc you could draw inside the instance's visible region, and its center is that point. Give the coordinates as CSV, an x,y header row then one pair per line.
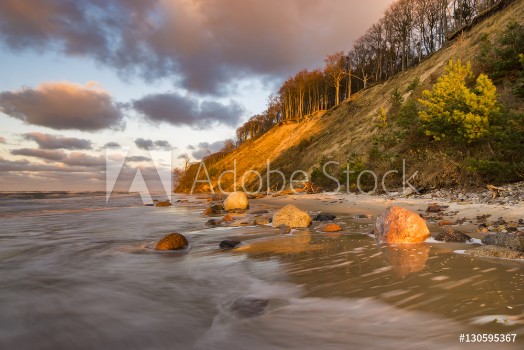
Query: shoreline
x,y
353,204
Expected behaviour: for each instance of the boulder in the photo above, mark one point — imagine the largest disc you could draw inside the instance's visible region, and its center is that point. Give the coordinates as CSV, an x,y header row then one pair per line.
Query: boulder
x,y
163,204
452,235
324,217
291,216
399,225
511,241
331,228
236,200
172,241
228,244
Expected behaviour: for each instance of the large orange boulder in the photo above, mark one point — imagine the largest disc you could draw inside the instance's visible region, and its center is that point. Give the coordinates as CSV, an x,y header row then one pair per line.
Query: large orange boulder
x,y
399,225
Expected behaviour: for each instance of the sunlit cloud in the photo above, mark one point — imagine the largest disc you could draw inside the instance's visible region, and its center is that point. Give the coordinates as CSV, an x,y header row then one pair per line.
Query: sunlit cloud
x,y
62,105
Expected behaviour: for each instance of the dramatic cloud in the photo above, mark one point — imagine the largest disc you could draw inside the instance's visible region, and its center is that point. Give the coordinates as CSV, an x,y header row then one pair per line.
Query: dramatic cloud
x,y
205,148
150,144
47,141
178,110
62,105
205,46
2,140
72,159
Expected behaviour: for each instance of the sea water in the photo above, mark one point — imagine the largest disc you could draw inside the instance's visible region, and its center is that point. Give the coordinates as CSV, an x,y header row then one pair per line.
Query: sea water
x,y
77,272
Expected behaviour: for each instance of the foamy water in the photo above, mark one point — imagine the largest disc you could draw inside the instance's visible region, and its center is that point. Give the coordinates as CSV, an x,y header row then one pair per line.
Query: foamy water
x,y
79,273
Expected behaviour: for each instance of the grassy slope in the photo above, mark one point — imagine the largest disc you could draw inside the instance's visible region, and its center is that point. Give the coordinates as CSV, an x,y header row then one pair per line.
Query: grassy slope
x,y
350,127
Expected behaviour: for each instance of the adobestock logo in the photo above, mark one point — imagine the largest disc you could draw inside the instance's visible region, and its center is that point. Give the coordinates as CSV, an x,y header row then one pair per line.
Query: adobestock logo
x,y
300,177
152,174
148,174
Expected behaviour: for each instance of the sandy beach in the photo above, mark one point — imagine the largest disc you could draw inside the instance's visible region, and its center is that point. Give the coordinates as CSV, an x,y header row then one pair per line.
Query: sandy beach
x,y
465,213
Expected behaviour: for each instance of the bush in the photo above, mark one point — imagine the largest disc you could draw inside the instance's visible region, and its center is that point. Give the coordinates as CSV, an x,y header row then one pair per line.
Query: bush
x,y
382,118
456,109
318,178
502,56
396,98
495,171
407,116
414,84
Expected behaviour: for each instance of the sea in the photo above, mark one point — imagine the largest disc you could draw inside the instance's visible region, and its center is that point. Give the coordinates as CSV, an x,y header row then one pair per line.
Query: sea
x,y
78,271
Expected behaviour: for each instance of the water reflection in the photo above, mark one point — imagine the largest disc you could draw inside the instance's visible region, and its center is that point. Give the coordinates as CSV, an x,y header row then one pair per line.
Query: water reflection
x,y
298,242
407,258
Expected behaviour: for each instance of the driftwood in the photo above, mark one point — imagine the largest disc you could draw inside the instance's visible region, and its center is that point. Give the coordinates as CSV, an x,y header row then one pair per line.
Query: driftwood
x,y
495,191
309,187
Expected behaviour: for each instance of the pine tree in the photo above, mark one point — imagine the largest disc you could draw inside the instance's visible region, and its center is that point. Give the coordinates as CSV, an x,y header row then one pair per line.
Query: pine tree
x,y
458,107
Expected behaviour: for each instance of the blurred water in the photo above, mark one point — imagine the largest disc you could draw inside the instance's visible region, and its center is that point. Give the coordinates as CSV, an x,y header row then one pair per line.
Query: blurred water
x,y
78,273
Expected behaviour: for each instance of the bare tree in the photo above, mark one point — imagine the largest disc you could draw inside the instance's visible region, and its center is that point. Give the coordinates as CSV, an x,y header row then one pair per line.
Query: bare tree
x,y
335,71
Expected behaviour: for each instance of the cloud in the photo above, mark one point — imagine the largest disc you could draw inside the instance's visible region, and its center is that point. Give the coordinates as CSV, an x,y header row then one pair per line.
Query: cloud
x,y
112,145
138,159
203,149
62,105
143,143
163,144
84,160
47,141
72,159
204,46
2,140
147,144
178,110
40,153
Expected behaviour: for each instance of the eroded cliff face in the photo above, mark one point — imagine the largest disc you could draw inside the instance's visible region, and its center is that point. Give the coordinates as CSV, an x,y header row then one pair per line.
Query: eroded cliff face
x,y
343,131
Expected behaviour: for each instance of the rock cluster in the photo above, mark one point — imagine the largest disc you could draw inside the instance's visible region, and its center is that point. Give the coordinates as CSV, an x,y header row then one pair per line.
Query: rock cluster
x,y
509,194
506,240
451,235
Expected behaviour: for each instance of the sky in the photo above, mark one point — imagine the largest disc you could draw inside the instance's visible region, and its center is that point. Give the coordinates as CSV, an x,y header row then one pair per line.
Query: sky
x,y
91,91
